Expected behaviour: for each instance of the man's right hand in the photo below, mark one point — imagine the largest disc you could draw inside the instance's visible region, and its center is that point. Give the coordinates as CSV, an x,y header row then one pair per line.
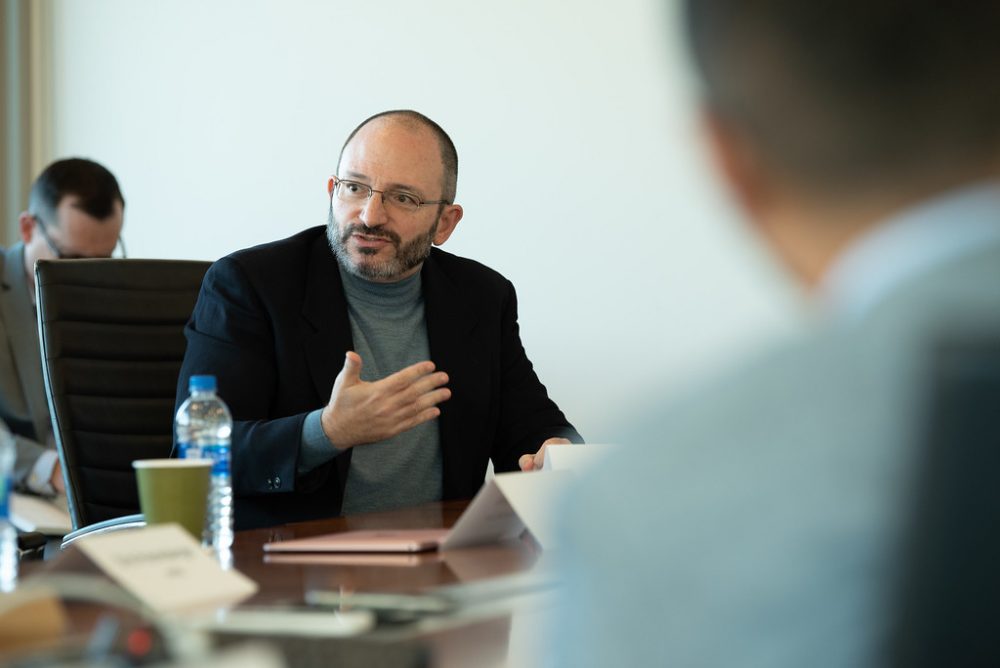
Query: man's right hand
x,y
361,412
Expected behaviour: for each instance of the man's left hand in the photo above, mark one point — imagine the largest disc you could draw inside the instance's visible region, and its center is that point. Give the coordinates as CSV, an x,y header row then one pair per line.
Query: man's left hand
x,y
534,462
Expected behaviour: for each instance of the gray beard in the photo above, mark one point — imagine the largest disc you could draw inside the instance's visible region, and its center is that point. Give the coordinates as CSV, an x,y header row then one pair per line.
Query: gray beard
x,y
407,256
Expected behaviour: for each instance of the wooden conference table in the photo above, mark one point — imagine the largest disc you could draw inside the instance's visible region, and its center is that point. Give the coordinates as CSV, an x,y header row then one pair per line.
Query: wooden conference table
x,y
482,639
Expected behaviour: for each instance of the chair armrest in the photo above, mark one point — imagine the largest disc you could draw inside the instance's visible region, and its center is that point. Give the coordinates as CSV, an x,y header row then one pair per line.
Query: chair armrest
x,y
114,524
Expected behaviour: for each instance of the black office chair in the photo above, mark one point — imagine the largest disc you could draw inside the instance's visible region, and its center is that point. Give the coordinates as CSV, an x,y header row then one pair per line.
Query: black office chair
x,y
947,598
112,342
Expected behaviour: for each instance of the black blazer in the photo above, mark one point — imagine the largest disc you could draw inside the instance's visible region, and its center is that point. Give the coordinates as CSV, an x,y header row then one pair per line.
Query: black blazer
x,y
271,324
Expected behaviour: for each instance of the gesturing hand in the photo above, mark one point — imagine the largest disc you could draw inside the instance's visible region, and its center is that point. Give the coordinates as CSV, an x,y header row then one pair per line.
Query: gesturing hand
x,y
361,412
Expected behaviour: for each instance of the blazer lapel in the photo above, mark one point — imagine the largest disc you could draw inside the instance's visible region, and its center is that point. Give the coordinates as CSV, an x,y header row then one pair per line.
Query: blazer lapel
x,y
326,332
451,334
22,330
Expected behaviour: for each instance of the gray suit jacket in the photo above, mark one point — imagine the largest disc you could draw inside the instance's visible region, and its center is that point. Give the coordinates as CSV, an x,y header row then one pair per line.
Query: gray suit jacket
x,y
23,405
754,524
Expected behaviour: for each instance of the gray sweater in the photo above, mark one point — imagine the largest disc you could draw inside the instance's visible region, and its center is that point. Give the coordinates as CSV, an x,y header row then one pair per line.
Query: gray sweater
x,y
389,332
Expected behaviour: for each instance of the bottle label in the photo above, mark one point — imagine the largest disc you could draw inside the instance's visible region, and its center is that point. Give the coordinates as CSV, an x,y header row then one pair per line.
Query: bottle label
x,y
188,451
219,454
6,482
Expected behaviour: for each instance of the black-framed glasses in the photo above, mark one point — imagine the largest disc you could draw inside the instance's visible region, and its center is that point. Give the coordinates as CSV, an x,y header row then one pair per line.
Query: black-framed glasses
x,y
60,253
354,192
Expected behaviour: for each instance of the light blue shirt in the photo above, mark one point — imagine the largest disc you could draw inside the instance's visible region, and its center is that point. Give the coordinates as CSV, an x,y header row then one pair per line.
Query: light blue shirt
x,y
908,244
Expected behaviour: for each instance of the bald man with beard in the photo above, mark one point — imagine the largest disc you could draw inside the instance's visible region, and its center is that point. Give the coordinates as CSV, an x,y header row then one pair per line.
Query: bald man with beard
x,y
365,368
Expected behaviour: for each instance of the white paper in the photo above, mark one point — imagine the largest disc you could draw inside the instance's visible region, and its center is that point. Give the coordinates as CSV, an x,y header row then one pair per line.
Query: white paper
x,y
307,623
165,568
508,504
33,513
489,518
577,457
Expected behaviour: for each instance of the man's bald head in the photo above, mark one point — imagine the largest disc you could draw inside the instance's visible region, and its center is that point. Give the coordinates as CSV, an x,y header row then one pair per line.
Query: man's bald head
x,y
416,121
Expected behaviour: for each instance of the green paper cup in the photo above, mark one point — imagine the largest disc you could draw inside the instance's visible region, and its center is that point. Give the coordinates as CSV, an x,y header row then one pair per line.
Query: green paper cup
x,y
174,490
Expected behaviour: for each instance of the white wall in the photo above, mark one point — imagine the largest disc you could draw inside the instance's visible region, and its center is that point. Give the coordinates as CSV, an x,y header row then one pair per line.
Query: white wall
x,y
580,169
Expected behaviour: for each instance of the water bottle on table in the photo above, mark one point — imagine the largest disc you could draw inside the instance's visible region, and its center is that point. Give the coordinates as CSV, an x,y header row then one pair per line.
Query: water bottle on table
x,y
204,427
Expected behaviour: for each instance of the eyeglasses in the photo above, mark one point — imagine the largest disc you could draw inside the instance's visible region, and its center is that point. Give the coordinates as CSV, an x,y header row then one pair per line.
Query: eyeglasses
x,y
62,255
354,192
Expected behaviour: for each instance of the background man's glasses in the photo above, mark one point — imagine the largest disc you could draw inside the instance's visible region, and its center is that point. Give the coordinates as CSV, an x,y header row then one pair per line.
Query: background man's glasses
x,y
354,192
62,255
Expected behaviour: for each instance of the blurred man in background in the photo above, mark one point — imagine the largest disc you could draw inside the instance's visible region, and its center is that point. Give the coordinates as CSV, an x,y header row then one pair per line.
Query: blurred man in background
x,y
755,524
75,210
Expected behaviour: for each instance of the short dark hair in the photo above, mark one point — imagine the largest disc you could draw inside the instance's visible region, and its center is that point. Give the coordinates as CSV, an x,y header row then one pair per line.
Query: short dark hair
x,y
843,96
94,186
449,156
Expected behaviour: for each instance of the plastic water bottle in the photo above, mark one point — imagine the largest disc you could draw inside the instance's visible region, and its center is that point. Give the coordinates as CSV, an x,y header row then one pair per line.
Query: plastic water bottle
x,y
204,427
8,534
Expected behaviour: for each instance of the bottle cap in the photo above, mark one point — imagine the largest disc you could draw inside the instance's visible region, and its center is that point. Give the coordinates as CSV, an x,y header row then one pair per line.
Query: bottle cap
x,y
201,384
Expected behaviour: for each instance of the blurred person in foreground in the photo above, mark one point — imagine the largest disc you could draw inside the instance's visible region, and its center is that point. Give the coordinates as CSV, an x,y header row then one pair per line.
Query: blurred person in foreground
x,y
754,523
75,210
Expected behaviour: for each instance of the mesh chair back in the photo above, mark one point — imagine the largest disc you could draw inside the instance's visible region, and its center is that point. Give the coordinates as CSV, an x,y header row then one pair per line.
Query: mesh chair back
x,y
112,342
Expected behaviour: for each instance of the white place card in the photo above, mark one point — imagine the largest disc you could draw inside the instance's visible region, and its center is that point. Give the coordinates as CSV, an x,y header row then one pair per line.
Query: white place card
x,y
535,498
165,568
506,505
